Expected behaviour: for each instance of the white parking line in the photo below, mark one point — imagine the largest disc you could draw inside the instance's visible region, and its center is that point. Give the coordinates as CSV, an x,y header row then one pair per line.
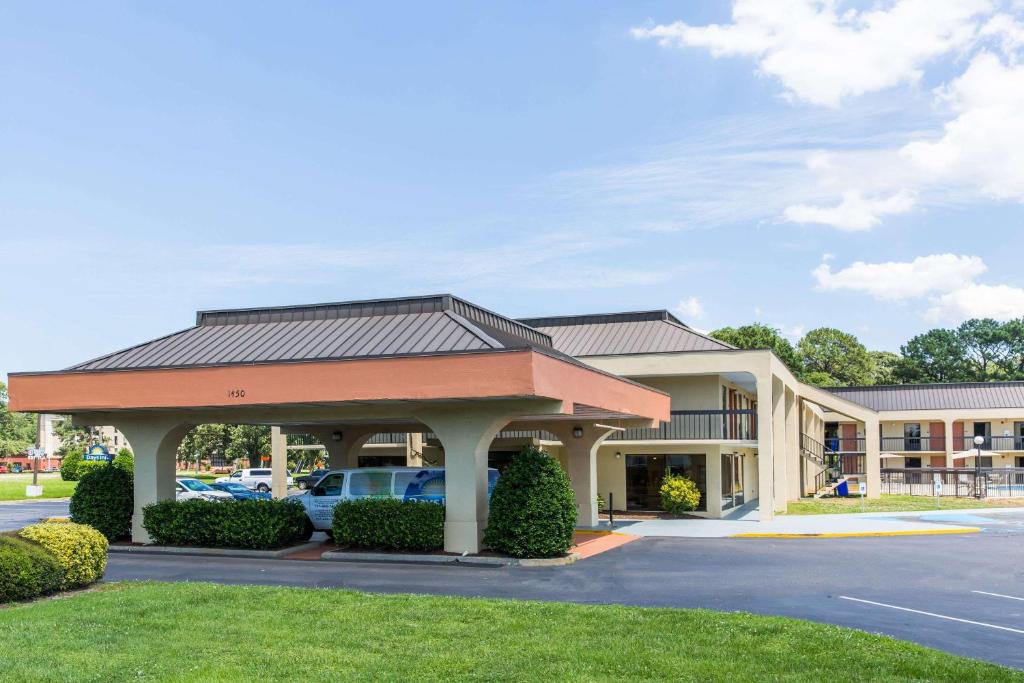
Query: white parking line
x,y
999,595
932,614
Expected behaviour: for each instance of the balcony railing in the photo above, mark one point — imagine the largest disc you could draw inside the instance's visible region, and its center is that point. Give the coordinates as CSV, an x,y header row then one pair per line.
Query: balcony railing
x,y
913,443
843,444
686,425
991,443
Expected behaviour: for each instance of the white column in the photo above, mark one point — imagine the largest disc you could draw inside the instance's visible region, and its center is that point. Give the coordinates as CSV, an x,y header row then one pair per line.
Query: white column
x,y
781,488
581,457
873,457
950,449
154,446
765,457
793,458
713,481
466,435
278,463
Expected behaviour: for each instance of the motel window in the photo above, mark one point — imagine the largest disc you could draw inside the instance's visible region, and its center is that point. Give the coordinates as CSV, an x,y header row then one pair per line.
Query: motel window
x,y
912,462
332,483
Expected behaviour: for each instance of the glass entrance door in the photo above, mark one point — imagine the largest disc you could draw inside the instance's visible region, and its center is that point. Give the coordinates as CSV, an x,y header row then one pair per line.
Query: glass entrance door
x,y
732,480
645,473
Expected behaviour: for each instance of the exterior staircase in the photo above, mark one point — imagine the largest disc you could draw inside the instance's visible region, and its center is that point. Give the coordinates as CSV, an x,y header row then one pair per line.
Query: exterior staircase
x,y
829,462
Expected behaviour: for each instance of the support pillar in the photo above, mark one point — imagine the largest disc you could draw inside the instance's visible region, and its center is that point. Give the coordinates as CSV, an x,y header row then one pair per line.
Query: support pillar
x,y
781,469
343,445
793,459
278,463
873,456
765,452
581,457
155,443
466,435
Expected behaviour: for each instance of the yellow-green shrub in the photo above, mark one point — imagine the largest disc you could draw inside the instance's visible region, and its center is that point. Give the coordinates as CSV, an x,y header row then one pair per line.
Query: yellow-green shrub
x,y
80,550
679,494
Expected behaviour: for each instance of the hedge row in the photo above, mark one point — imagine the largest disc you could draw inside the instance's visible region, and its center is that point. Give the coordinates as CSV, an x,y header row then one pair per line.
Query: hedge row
x,y
44,558
249,524
104,499
389,524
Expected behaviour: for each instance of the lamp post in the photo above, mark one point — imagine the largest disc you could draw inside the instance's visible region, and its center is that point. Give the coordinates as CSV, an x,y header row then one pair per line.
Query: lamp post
x,y
978,441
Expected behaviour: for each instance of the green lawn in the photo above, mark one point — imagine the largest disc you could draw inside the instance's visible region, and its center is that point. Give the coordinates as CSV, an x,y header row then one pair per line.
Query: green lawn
x,y
12,486
892,503
204,632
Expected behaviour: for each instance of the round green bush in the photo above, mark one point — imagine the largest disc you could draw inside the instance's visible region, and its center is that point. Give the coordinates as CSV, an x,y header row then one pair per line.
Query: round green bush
x,y
679,494
27,570
125,460
533,510
104,499
69,466
79,549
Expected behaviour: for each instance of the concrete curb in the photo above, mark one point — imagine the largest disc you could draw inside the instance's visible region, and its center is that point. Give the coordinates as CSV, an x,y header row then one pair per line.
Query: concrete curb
x,y
864,534
212,552
469,560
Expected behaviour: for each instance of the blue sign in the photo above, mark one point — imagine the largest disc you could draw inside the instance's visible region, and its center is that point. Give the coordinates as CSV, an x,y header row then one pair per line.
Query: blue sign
x,y
98,452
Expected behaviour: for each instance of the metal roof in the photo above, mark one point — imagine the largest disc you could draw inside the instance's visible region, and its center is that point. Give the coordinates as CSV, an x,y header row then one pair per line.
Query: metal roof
x,y
358,329
966,395
614,334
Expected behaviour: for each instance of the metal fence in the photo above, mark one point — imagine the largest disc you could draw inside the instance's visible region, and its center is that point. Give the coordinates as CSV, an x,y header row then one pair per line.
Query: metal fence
x,y
960,482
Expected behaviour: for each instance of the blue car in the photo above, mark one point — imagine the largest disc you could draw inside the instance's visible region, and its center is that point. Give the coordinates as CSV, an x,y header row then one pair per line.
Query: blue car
x,y
240,492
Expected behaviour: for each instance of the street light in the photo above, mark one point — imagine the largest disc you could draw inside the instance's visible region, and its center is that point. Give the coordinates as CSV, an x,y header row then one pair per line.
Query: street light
x,y
978,441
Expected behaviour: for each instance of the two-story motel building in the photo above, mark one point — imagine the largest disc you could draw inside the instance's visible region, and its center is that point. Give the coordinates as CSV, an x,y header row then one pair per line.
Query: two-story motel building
x,y
621,399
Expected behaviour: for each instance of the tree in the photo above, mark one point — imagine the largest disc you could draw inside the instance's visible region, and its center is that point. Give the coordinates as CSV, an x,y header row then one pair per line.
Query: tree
x,y
831,357
758,336
249,441
885,367
1011,365
985,345
206,440
17,430
936,356
73,439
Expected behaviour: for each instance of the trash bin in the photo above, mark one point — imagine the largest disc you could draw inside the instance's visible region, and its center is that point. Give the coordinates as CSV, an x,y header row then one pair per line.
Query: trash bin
x,y
843,489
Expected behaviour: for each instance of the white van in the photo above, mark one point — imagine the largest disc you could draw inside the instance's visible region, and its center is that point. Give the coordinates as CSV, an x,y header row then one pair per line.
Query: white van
x,y
402,483
258,479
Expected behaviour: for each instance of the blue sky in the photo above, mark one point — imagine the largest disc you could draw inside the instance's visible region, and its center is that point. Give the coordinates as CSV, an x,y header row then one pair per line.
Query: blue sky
x,y
795,162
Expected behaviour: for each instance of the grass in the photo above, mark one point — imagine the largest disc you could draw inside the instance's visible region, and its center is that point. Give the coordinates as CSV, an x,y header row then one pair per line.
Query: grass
x,y
893,503
12,486
205,632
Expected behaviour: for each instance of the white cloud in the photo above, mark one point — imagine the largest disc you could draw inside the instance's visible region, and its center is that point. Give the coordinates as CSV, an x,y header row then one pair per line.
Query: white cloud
x,y
690,308
897,281
1001,302
854,212
823,55
984,145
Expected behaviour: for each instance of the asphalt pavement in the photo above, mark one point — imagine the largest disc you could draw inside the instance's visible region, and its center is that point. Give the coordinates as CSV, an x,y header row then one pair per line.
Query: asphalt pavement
x,y
15,515
959,593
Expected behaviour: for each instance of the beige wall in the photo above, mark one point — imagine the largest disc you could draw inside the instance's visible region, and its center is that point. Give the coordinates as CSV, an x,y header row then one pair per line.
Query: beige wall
x,y
701,392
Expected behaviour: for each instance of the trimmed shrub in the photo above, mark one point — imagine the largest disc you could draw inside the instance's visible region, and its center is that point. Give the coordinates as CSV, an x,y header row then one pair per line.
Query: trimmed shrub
x,y
533,510
104,499
27,570
390,524
249,524
124,460
679,494
90,466
69,466
80,550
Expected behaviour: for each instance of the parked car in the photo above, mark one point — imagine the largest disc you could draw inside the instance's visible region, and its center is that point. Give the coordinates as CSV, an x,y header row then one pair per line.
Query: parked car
x,y
187,488
257,478
306,481
403,483
240,492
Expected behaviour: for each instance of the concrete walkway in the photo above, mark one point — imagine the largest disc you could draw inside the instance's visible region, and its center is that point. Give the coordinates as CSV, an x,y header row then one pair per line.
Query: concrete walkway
x,y
747,526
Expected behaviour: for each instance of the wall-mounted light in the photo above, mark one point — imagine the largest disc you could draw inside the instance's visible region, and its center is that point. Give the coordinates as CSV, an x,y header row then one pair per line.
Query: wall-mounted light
x,y
618,455
577,432
336,436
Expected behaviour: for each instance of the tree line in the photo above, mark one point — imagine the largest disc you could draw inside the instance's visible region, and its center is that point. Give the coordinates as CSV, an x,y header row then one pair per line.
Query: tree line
x,y
979,350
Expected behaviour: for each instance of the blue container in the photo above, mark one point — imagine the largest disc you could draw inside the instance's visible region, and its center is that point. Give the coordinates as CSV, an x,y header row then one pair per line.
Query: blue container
x,y
843,489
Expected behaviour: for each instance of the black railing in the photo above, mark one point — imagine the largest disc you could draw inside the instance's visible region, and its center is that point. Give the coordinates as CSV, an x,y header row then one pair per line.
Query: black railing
x,y
846,444
684,425
990,443
834,465
913,443
961,482
387,438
